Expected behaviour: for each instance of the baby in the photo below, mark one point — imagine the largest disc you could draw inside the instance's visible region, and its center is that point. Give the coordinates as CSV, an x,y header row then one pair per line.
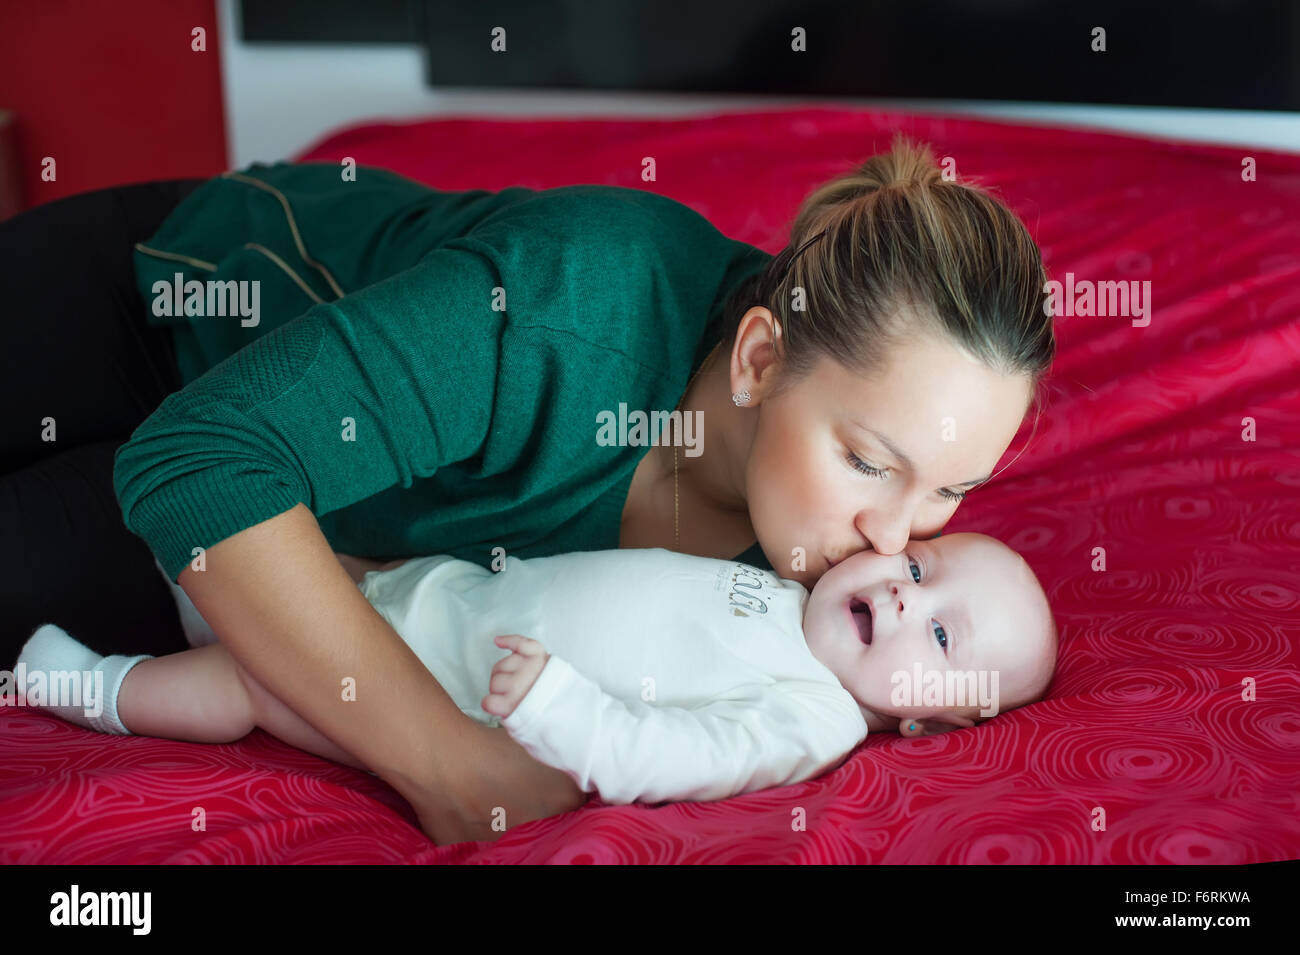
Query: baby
x,y
649,675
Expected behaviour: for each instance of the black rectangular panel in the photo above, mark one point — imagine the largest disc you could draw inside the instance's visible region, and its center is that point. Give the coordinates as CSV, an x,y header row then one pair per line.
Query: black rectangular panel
x,y
1206,53
330,21
1231,54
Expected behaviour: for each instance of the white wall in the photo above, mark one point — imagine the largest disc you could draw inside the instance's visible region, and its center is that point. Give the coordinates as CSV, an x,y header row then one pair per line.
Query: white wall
x,y
281,98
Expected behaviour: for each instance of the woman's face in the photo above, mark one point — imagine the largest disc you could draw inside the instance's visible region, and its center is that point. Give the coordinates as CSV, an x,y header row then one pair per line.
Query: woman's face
x,y
941,420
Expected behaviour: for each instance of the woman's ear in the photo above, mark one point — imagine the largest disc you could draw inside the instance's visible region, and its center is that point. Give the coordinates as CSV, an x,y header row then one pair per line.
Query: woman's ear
x,y
754,361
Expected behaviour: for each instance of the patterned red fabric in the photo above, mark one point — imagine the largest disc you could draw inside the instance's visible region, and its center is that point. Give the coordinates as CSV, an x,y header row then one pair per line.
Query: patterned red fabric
x,y
1140,451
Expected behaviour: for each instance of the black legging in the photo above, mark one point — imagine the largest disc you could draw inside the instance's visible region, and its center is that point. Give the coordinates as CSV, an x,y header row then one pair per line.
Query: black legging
x,y
76,348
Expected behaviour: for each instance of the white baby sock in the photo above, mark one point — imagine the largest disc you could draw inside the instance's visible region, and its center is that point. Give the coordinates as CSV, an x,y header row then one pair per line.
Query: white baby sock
x,y
197,631
50,648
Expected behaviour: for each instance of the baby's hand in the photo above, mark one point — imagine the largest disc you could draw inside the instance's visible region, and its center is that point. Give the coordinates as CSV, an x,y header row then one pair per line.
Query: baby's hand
x,y
514,676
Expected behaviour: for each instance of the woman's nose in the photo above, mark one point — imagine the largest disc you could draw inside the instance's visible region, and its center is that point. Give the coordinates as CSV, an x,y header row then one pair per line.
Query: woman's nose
x,y
886,538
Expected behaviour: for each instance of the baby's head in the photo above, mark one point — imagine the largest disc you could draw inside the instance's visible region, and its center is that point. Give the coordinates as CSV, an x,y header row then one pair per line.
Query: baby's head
x,y
940,636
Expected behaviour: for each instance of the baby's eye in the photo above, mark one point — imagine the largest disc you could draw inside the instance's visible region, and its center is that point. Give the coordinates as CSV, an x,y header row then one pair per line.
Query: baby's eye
x,y
941,634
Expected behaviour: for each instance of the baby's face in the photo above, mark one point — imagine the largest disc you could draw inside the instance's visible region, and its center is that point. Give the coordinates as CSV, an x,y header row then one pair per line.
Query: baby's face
x,y
965,608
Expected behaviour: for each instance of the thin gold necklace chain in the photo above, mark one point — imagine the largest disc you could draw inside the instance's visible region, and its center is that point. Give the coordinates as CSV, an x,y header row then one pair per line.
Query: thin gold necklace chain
x,y
677,539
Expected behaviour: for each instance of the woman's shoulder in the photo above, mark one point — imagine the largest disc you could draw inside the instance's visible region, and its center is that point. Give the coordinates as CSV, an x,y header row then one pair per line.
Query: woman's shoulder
x,y
619,268
611,217
642,205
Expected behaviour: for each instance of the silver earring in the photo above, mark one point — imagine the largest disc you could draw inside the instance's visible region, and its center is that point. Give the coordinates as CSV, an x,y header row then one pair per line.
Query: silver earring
x,y
741,398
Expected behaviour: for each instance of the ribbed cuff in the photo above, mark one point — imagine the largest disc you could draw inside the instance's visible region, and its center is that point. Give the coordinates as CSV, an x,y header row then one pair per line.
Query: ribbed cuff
x,y
203,510
115,668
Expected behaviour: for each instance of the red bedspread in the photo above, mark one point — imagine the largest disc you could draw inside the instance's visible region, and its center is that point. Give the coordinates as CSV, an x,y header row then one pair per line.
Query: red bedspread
x,y
1152,719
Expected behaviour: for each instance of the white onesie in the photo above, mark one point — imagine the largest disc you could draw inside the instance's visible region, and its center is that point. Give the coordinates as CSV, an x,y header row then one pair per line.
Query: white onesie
x,y
671,677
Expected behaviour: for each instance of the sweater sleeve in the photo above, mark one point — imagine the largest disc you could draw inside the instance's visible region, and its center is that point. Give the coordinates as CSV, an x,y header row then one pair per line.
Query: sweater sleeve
x,y
772,735
381,387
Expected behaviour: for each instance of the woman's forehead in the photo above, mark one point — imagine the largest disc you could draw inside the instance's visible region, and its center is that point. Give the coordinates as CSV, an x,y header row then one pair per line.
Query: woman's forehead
x,y
923,404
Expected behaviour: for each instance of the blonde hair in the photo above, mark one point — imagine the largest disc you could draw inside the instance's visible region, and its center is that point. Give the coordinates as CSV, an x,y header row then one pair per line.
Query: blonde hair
x,y
895,232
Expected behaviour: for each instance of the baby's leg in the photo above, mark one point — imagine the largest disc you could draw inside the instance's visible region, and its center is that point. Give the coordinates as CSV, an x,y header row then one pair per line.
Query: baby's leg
x,y
204,696
195,695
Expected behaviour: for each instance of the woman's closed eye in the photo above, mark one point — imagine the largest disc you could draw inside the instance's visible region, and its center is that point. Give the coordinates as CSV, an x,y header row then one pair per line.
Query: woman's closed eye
x,y
863,467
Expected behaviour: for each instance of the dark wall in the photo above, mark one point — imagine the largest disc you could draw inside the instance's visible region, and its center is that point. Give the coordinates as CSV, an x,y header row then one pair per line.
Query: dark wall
x,y
1231,54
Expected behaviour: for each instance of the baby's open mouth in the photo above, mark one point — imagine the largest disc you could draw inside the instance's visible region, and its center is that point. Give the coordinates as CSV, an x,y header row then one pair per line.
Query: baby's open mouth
x,y
861,618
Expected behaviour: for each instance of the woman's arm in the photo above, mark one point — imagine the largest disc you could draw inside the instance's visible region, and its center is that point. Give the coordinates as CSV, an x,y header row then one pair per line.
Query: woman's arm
x,y
241,459
358,567
287,611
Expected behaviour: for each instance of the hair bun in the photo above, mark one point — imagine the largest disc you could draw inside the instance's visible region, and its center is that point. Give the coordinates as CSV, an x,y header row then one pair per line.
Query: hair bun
x,y
905,162
883,235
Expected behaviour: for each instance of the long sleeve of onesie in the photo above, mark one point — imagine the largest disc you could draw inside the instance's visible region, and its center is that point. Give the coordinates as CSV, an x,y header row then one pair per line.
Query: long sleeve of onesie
x,y
761,736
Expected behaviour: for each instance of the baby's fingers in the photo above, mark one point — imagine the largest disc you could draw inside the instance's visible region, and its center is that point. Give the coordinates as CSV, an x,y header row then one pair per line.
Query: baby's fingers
x,y
510,664
524,646
502,684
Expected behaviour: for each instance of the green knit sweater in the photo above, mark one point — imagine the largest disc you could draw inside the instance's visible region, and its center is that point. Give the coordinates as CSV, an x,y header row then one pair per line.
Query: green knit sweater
x,y
427,371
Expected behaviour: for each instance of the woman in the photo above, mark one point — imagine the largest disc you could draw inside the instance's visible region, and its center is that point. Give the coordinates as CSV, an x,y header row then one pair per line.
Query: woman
x,y
426,372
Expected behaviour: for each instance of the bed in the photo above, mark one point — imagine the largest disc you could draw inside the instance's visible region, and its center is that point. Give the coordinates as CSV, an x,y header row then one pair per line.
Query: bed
x,y
1171,733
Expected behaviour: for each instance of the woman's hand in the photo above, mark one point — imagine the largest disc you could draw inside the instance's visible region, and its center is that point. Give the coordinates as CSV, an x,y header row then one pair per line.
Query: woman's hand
x,y
502,788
